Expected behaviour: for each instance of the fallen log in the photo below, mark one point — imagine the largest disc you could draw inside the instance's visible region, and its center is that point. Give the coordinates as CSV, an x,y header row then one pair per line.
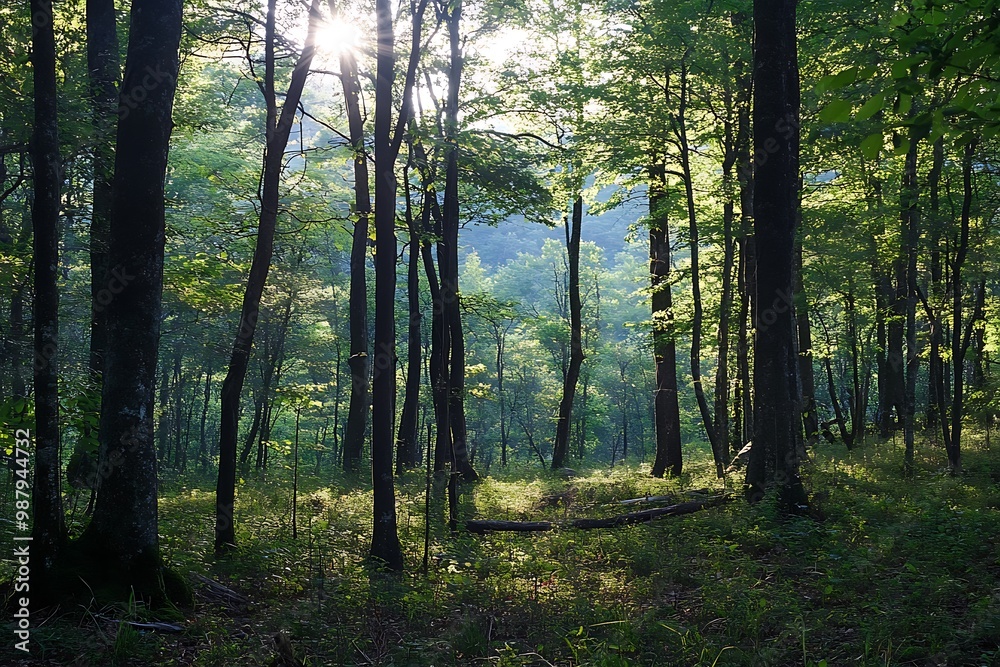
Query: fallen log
x,y
647,499
643,516
481,527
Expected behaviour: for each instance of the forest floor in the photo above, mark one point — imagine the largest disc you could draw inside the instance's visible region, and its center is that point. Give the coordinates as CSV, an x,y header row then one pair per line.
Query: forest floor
x,y
898,573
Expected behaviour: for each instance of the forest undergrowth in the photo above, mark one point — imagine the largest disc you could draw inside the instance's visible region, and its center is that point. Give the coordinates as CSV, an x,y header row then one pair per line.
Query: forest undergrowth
x,y
898,572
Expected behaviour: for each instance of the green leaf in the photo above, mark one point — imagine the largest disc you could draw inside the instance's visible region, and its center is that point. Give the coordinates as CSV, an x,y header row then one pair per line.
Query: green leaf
x,y
838,80
904,102
837,111
901,146
872,145
871,107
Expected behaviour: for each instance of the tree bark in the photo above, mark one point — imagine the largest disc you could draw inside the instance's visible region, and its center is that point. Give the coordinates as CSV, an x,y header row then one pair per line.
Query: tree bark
x,y
277,131
385,549
906,296
810,417
449,269
718,454
48,527
406,440
360,401
666,410
203,440
560,448
123,533
104,71
960,339
777,432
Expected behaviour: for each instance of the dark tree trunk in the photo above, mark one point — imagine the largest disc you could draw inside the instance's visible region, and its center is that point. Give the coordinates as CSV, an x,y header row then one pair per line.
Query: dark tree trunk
x,y
777,432
721,423
406,440
203,440
104,70
277,131
123,532
746,276
449,268
258,413
810,418
385,549
906,294
357,413
560,448
935,364
718,454
666,409
48,527
439,344
960,338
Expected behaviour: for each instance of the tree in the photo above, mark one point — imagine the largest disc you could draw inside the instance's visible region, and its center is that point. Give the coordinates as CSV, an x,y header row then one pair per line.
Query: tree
x,y
121,542
385,549
777,431
360,400
666,409
48,528
277,130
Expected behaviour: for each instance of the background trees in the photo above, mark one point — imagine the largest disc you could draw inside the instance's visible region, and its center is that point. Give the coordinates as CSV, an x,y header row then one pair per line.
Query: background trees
x,y
577,185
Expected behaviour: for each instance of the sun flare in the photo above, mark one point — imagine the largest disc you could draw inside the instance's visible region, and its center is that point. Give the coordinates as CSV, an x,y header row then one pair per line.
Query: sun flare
x,y
337,36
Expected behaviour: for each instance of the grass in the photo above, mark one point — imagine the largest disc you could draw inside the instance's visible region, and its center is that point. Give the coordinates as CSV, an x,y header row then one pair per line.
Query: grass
x,y
899,573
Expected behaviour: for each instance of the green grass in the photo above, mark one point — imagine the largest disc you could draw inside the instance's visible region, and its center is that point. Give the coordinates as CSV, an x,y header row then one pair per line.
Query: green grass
x,y
899,573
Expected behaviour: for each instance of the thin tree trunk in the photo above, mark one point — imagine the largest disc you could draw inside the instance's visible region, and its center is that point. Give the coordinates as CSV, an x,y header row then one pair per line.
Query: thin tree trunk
x,y
103,70
960,339
908,205
666,408
560,448
449,270
357,414
810,417
406,441
278,129
203,440
385,548
696,321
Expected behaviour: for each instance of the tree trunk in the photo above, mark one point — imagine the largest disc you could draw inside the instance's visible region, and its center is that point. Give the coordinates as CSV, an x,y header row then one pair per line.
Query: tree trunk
x,y
560,448
810,418
449,270
48,526
666,409
385,549
707,419
203,440
777,431
960,339
103,70
278,129
406,441
360,401
907,295
123,536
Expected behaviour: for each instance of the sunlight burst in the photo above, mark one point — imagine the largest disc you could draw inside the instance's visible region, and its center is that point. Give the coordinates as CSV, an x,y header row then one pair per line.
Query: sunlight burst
x,y
337,36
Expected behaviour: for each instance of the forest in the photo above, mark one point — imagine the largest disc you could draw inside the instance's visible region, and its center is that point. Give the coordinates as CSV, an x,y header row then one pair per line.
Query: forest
x,y
507,332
